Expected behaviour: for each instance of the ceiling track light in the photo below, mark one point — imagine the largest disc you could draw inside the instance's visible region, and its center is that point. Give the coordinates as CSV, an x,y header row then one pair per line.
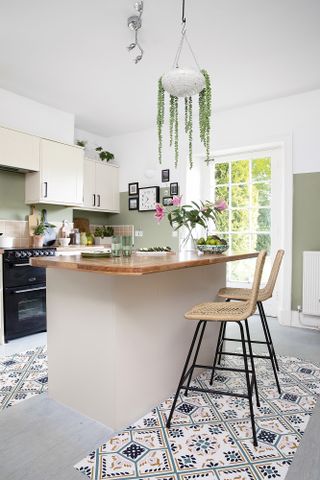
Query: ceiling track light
x,y
134,24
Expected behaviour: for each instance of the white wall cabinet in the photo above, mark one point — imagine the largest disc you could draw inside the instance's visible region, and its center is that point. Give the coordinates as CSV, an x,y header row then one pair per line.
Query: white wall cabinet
x,y
60,179
101,187
19,150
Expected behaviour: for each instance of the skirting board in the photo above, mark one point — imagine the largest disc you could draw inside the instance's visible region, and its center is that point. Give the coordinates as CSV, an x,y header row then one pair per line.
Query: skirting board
x,y
293,318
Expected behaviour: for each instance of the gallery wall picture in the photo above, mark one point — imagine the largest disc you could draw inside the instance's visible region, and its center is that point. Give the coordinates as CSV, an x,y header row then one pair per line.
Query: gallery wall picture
x,y
133,188
167,201
148,197
133,203
165,176
174,188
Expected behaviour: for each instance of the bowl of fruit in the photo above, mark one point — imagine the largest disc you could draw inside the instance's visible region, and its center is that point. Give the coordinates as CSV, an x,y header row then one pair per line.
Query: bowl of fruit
x,y
213,244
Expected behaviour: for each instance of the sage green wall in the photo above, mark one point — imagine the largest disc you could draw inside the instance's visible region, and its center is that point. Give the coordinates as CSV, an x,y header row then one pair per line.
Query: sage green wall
x,y
154,234
306,226
12,206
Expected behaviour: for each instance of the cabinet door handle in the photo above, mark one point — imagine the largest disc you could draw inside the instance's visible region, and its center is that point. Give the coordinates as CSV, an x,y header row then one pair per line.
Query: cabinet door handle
x,y
94,200
45,189
98,200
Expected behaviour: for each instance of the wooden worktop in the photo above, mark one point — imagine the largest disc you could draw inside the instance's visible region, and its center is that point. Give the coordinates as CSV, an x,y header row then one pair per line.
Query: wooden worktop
x,y
135,265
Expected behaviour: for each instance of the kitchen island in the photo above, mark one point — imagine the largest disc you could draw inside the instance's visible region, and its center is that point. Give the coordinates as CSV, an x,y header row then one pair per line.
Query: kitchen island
x,y
117,336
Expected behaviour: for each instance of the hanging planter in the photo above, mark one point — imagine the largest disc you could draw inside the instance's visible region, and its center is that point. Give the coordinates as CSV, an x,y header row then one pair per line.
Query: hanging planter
x,y
184,83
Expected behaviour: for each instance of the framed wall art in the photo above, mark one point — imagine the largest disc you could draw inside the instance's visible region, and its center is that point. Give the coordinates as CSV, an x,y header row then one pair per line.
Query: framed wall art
x,y
133,188
174,188
165,176
167,201
148,197
133,203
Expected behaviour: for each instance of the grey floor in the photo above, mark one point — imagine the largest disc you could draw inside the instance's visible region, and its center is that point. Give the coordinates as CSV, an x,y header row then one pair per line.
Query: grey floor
x,y
42,440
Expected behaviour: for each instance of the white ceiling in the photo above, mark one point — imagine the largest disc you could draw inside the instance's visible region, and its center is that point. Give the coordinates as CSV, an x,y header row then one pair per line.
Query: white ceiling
x,y
71,54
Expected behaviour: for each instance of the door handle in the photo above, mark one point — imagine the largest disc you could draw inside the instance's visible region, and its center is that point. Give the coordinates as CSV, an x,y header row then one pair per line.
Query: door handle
x,y
45,189
94,200
22,264
26,290
98,200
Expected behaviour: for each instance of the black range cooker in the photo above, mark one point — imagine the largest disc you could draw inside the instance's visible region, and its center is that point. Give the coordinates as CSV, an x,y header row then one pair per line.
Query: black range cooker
x,y
24,292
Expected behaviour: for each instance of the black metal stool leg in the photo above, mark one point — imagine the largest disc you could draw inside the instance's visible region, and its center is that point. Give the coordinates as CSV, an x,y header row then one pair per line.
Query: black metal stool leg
x,y
269,349
244,350
265,321
252,363
184,372
217,349
223,335
195,358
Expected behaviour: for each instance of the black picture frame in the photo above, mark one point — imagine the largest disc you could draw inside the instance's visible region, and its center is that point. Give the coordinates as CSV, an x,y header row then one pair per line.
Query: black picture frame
x,y
133,188
148,197
165,175
167,201
174,189
133,203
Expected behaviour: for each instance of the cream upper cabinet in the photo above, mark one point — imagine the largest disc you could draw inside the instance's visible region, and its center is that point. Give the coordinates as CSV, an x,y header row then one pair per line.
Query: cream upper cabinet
x,y
60,180
101,186
19,150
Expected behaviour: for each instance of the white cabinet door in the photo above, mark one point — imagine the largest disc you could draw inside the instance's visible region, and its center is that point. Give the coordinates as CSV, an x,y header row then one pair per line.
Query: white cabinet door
x,y
107,189
19,150
89,185
60,180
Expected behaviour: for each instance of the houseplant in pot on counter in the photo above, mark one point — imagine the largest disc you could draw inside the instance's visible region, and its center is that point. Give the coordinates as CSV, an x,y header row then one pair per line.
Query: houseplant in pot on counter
x,y
38,235
103,235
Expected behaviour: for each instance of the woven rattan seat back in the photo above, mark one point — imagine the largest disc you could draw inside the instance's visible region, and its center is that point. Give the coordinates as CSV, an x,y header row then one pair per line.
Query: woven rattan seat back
x,y
267,291
252,300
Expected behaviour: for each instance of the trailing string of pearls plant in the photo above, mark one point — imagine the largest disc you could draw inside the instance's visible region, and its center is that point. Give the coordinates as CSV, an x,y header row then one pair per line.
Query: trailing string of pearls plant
x,y
184,83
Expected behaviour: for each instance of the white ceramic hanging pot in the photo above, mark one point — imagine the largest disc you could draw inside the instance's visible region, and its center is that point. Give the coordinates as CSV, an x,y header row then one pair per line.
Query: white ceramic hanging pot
x,y
183,82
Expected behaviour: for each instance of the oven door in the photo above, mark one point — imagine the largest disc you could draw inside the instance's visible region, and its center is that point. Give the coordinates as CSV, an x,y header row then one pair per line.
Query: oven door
x,y
24,311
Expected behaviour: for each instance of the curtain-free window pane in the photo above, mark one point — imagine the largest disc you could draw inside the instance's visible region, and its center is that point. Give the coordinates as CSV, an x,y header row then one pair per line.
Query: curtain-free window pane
x,y
239,196
240,171
240,243
239,220
241,271
261,194
262,241
222,173
261,219
222,222
222,193
261,169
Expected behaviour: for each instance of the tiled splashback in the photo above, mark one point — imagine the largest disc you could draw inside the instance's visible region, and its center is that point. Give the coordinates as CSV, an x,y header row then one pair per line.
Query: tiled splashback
x,y
118,229
19,230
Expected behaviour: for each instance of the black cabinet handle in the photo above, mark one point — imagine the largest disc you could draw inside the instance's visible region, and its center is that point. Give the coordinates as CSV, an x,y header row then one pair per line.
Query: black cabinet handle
x,y
94,200
98,200
45,189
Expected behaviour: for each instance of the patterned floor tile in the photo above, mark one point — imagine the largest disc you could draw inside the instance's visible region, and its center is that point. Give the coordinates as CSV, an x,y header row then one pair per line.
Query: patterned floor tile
x,y
22,376
210,436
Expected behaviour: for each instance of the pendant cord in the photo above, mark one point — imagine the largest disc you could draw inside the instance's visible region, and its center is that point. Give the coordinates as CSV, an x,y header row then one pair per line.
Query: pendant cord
x,y
184,38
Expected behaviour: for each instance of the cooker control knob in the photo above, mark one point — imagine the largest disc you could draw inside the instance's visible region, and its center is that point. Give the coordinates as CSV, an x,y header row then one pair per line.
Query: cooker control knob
x,y
23,254
35,253
46,252
29,254
17,254
41,252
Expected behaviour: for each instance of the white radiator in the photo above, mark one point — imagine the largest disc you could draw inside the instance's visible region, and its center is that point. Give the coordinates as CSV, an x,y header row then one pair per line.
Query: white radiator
x,y
311,283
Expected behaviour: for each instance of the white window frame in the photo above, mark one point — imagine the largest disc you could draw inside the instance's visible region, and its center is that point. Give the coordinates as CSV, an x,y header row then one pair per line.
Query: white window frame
x,y
198,187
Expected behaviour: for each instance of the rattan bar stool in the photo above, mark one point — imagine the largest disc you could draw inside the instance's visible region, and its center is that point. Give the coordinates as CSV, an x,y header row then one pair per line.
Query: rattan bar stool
x,y
263,295
223,312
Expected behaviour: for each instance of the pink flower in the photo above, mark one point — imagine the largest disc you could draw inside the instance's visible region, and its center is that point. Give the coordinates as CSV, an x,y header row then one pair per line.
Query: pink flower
x,y
159,215
220,205
176,201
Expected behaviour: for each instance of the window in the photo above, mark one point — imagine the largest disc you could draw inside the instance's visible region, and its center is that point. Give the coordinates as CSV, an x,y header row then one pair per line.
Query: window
x,y
244,182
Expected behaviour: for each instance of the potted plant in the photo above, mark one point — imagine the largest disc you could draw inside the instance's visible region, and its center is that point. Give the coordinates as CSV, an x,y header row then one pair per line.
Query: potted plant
x,y
38,235
104,155
103,235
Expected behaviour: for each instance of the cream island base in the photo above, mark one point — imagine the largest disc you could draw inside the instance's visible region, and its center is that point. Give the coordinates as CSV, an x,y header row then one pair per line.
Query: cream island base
x,y
117,336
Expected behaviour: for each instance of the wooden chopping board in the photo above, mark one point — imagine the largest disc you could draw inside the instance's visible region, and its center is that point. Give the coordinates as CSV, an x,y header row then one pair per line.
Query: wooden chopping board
x,y
33,220
82,224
